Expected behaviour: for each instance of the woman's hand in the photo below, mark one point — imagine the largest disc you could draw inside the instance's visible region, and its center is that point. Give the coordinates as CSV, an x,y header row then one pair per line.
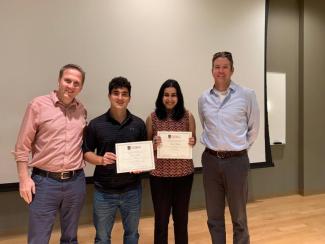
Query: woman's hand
x,y
191,141
156,140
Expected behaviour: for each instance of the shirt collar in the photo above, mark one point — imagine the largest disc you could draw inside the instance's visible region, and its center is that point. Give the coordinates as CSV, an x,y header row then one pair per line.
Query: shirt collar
x,y
128,117
232,88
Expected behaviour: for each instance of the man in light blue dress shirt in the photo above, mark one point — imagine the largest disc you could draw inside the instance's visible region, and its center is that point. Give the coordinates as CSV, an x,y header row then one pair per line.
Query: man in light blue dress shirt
x,y
229,116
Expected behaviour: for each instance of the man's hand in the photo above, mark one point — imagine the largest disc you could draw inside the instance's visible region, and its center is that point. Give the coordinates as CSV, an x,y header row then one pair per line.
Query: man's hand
x,y
27,189
109,158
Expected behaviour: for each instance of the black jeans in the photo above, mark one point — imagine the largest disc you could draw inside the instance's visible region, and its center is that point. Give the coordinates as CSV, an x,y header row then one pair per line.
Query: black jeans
x,y
171,194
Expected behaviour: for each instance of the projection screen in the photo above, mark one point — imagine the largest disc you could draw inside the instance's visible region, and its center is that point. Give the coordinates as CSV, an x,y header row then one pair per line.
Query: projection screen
x,y
147,41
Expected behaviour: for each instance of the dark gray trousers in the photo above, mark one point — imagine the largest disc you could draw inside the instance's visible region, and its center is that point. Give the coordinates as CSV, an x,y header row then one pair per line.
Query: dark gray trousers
x,y
226,179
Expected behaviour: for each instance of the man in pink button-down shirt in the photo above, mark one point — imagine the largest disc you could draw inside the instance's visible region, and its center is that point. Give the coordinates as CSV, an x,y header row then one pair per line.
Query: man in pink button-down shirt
x,y
51,133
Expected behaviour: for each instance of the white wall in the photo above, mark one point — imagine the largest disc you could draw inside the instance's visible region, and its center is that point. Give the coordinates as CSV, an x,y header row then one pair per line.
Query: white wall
x,y
148,41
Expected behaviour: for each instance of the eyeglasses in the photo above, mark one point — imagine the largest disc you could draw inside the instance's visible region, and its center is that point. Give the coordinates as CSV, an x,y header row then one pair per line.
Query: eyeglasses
x,y
223,54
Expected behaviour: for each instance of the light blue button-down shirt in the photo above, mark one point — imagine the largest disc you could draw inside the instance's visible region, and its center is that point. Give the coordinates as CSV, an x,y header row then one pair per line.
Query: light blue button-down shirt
x,y
231,124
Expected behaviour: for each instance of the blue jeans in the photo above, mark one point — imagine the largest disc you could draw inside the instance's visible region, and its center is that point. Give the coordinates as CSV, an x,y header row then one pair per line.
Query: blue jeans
x,y
105,208
50,197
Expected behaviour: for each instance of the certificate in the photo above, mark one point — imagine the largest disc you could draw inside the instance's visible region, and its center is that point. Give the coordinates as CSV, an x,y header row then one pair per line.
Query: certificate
x,y
174,144
134,156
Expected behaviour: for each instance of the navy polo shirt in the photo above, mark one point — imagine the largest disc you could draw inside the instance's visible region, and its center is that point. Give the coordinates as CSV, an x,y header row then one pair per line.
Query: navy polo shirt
x,y
100,137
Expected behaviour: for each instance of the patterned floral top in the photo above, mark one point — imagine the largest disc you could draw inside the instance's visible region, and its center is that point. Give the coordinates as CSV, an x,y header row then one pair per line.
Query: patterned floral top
x,y
171,167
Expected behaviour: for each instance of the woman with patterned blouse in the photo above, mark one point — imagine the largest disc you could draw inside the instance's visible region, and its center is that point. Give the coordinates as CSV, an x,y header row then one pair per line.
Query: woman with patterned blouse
x,y
171,181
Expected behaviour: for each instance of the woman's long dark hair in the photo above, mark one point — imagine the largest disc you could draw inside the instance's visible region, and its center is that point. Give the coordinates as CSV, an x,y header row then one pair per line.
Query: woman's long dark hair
x,y
179,109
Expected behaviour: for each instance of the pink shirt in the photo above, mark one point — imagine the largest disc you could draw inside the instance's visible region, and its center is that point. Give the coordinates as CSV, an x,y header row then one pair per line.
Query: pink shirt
x,y
52,133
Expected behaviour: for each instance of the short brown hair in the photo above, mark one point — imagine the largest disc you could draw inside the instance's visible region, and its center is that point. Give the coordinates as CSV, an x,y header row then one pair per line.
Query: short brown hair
x,y
73,66
223,54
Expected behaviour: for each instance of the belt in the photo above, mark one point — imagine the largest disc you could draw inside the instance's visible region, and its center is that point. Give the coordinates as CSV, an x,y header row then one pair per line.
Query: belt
x,y
59,176
226,154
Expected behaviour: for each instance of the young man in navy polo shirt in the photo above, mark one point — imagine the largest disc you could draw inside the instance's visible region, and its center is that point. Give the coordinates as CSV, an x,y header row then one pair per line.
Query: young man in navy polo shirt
x,y
114,191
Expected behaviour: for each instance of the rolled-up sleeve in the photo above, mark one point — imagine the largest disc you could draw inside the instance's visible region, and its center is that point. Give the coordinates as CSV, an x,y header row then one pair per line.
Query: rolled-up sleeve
x,y
26,134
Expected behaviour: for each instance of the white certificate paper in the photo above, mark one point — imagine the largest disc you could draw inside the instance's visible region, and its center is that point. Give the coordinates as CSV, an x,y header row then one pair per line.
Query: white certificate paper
x,y
134,156
174,145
